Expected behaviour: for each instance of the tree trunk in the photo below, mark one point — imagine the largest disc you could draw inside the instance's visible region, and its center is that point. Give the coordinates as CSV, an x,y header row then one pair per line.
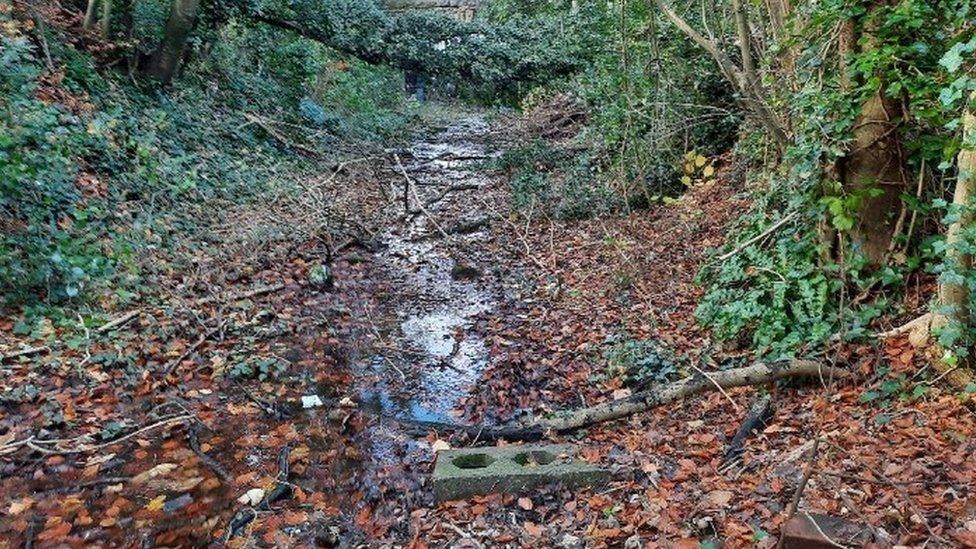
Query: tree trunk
x,y
745,42
874,167
954,298
166,59
89,19
105,24
753,95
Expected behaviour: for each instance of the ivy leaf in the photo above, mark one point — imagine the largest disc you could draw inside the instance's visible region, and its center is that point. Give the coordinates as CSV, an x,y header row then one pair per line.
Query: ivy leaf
x,y
953,59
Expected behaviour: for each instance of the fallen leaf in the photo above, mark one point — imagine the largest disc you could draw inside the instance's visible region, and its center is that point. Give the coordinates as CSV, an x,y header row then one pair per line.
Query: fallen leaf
x,y
19,506
439,445
156,504
719,498
251,497
160,470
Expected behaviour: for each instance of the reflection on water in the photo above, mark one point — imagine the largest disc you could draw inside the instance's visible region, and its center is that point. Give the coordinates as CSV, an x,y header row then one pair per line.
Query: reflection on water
x,y
437,355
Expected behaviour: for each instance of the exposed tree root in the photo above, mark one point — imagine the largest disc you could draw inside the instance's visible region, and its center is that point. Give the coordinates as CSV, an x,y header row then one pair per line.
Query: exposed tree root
x,y
756,374
919,333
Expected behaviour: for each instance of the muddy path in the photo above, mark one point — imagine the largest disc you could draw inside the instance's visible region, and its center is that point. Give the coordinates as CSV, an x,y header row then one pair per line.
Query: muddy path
x,y
398,341
421,351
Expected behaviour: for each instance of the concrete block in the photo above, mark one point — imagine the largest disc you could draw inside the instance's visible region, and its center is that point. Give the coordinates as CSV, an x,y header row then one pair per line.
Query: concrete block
x,y
801,532
460,474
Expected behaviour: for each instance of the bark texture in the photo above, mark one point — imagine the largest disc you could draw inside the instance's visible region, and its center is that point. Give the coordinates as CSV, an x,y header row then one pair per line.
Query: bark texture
x,y
166,59
874,166
876,163
756,374
954,297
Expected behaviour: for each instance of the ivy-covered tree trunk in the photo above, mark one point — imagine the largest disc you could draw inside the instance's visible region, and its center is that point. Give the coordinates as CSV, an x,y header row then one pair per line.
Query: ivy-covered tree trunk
x,y
166,59
874,171
105,24
874,167
954,298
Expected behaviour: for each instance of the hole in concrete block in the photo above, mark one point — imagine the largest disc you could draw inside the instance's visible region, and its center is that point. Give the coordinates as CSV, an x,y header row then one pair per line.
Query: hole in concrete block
x,y
473,461
535,457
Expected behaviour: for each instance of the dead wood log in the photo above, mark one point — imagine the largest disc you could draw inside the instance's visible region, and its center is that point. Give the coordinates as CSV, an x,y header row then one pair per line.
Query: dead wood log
x,y
757,374
118,321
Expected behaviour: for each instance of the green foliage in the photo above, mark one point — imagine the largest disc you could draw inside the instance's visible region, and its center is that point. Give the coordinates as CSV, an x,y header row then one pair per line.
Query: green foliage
x,y
109,167
46,242
638,360
779,294
645,109
261,369
776,296
544,178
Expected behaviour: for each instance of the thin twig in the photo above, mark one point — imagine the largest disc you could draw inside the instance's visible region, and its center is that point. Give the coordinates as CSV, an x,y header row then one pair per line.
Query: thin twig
x,y
756,238
39,444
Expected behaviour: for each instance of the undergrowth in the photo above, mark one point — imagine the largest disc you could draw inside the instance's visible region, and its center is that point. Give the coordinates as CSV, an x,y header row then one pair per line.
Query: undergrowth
x,y
96,167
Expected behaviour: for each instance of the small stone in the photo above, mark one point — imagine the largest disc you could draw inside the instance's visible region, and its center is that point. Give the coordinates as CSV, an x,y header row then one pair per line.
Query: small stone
x,y
311,401
347,402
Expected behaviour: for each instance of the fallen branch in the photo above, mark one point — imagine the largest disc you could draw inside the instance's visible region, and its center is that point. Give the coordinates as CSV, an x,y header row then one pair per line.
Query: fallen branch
x,y
756,238
57,446
756,374
118,321
25,352
410,188
923,322
265,125
215,466
759,413
191,349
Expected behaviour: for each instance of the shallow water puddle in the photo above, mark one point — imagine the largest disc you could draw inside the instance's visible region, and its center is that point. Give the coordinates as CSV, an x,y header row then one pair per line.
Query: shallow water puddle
x,y
434,355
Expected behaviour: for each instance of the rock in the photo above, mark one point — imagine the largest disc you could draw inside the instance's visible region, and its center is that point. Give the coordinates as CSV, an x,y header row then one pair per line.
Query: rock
x,y
459,474
321,276
311,401
802,533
